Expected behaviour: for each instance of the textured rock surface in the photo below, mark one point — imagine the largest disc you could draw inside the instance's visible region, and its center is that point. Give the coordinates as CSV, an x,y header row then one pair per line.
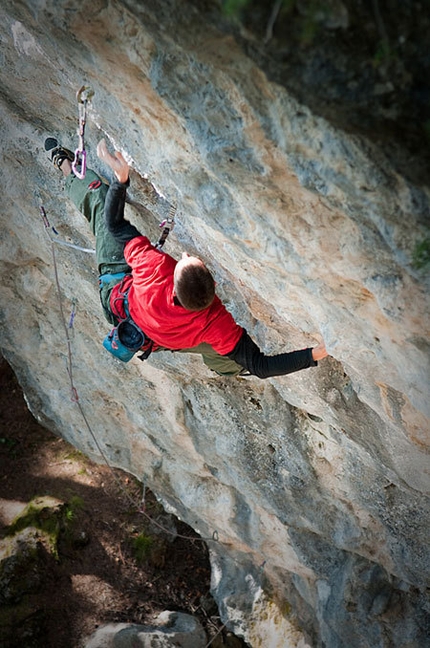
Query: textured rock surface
x,y
316,484
170,629
28,550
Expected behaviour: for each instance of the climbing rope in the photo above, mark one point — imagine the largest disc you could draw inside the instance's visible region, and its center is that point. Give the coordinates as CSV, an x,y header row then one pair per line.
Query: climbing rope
x,y
83,95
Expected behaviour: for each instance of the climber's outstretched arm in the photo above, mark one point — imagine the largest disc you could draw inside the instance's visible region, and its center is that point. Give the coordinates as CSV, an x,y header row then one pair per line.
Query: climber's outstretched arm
x,y
247,354
120,228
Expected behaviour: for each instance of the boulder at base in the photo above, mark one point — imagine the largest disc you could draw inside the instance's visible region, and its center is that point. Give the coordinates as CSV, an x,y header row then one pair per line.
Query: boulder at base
x,y
170,629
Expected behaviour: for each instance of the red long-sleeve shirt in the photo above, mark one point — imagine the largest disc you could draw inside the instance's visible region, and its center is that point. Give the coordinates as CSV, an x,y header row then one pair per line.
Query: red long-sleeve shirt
x,y
153,308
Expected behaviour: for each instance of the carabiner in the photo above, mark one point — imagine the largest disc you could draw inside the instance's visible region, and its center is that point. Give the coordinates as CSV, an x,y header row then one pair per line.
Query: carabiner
x,y
83,95
81,161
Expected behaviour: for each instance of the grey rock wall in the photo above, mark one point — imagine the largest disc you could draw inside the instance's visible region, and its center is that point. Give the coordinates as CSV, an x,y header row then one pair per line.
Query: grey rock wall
x,y
312,489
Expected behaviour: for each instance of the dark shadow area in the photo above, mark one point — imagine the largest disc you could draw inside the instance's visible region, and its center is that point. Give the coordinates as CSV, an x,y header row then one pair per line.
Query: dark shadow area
x,y
114,565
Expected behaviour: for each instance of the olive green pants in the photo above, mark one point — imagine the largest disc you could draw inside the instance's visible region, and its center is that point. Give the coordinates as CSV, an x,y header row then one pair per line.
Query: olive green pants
x,y
89,197
91,203
222,365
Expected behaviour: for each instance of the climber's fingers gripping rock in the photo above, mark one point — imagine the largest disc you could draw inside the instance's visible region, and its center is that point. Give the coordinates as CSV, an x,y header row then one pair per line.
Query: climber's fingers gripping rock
x,y
116,162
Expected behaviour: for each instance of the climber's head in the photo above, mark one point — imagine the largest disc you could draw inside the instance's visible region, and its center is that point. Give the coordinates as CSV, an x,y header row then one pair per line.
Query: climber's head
x,y
194,284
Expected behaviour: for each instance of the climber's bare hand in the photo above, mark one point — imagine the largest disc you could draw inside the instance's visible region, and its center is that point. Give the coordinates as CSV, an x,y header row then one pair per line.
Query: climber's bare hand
x,y
117,162
319,352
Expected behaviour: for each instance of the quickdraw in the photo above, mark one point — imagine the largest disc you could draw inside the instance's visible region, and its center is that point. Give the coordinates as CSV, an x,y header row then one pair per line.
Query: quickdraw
x,y
83,96
50,228
168,224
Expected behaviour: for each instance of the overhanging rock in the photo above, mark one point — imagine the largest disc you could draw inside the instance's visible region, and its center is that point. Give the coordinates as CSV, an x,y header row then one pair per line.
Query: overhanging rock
x,y
316,484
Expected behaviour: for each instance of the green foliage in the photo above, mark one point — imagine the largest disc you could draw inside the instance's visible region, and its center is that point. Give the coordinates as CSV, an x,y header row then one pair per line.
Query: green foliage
x,y
38,517
49,518
69,515
308,23
421,255
309,27
384,54
74,505
43,514
142,547
75,455
232,8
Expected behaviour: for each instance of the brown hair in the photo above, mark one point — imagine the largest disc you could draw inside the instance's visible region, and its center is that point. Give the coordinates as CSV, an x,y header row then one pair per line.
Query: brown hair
x,y
195,287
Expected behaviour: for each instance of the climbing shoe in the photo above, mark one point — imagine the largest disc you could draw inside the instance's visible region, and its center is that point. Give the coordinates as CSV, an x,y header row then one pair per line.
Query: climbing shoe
x,y
57,152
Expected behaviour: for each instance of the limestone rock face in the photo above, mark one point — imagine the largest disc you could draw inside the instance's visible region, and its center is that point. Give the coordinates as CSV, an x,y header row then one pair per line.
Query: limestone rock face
x,y
312,489
170,630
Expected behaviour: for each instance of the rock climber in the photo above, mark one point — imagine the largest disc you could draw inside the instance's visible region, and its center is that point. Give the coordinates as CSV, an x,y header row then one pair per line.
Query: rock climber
x,y
172,302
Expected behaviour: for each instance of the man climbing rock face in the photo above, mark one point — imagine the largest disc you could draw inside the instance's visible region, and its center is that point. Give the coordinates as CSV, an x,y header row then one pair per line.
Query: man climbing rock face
x,y
172,302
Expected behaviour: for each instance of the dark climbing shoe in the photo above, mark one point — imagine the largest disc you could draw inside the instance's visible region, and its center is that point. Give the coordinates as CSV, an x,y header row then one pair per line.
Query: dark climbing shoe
x,y
57,152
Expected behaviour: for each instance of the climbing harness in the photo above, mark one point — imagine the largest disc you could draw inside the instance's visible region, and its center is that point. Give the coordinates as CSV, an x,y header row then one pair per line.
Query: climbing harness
x,y
167,224
127,338
83,95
